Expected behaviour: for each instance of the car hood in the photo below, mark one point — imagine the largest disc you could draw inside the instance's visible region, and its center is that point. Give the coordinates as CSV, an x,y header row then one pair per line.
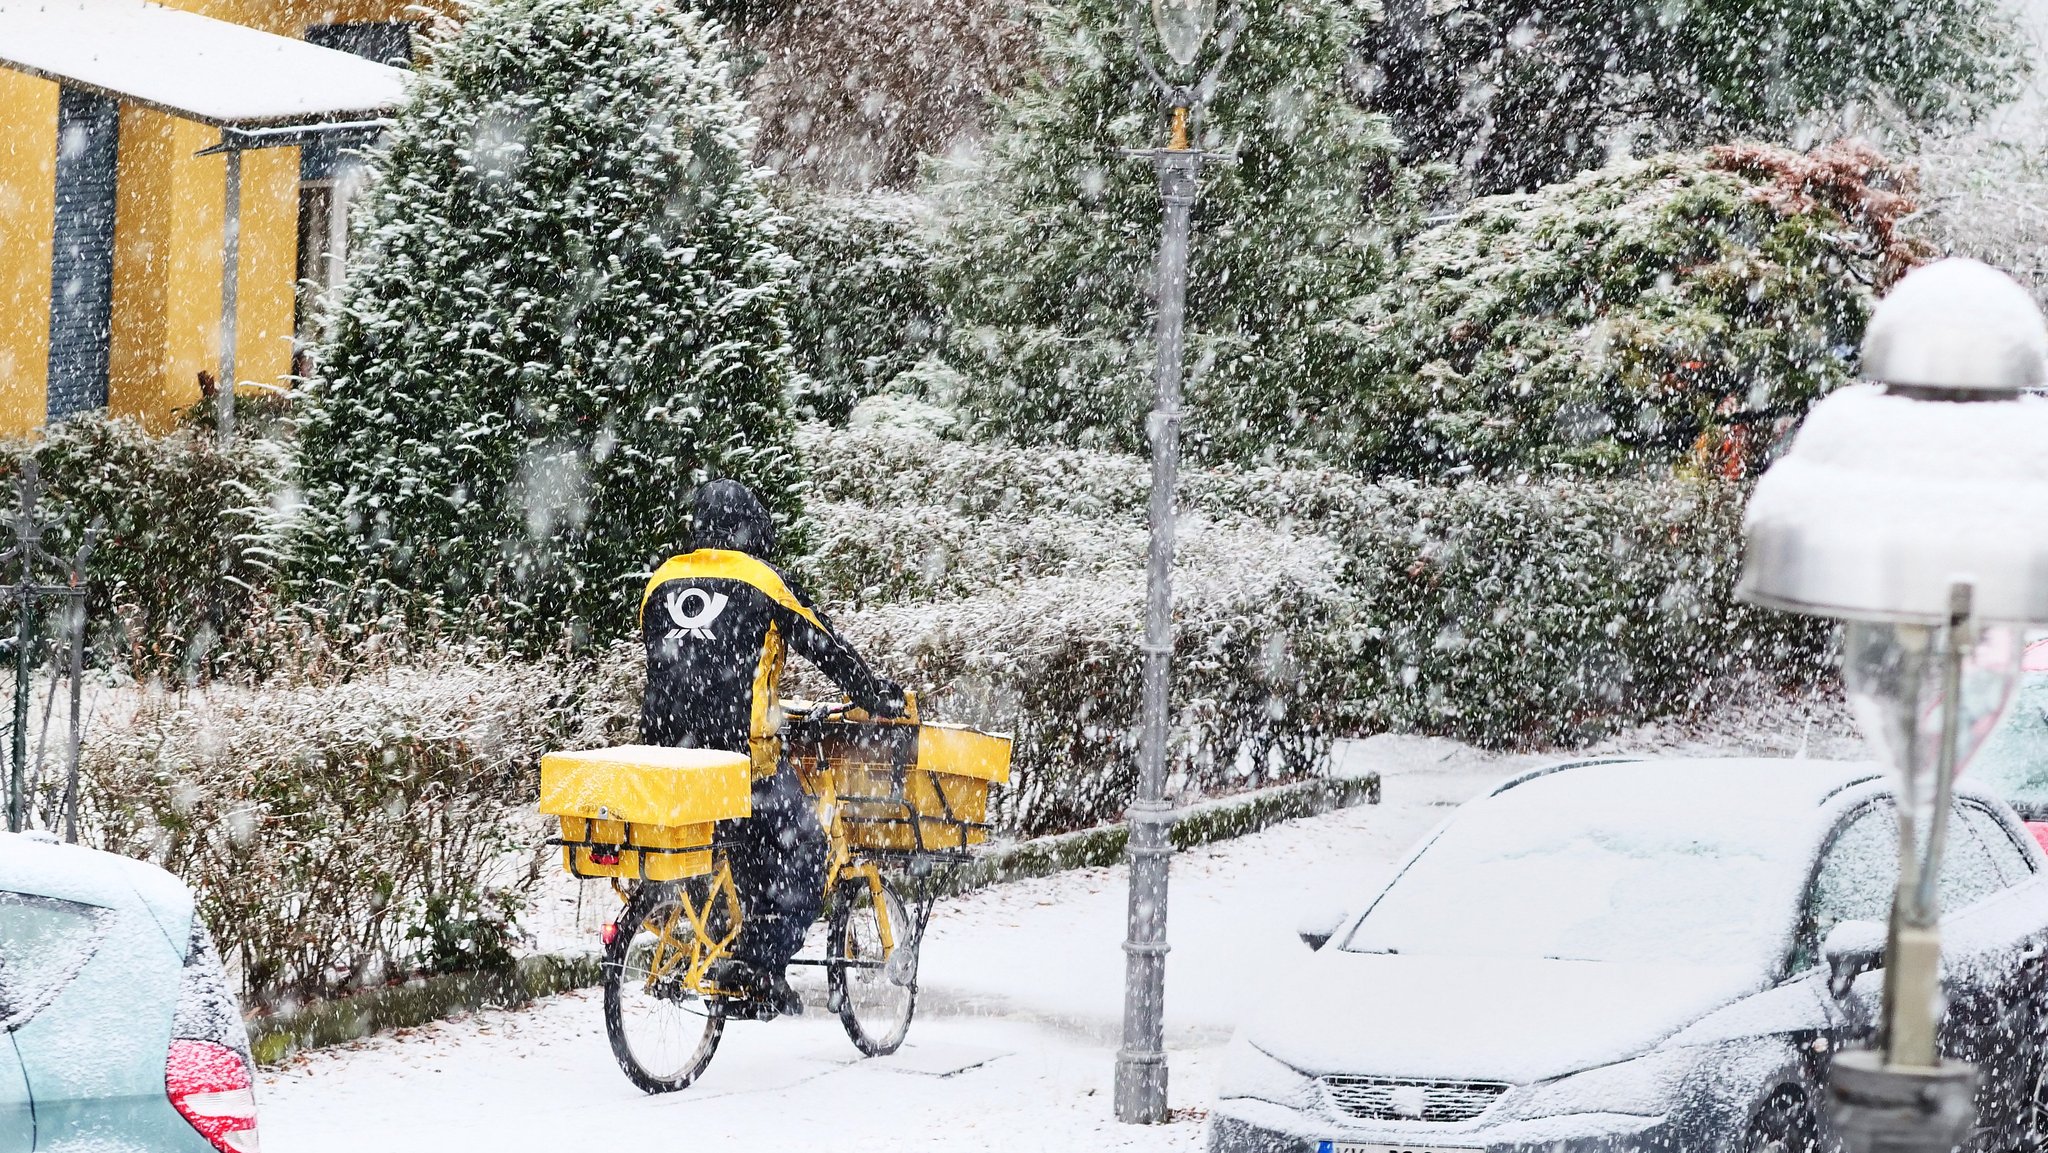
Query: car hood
x,y
1490,1019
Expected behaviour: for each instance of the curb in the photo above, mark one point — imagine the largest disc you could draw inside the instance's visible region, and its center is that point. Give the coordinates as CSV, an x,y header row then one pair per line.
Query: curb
x,y
319,1024
1202,823
322,1023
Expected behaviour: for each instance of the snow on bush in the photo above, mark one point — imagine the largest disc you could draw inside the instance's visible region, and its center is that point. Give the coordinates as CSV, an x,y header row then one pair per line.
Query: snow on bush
x,y
1694,303
340,833
1007,585
567,312
862,308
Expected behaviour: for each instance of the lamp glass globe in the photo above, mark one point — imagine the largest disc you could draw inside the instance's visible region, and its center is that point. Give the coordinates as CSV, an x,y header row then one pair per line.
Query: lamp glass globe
x,y
1183,25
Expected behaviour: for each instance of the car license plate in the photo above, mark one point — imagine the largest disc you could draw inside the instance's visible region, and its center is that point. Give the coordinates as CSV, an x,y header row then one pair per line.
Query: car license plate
x,y
1362,1147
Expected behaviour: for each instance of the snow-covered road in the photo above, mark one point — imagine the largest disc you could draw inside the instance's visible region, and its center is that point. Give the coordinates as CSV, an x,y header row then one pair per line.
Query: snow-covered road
x,y
1014,1044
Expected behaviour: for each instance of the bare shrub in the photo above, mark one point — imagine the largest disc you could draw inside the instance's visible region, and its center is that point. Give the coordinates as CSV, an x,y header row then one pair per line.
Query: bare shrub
x,y
339,834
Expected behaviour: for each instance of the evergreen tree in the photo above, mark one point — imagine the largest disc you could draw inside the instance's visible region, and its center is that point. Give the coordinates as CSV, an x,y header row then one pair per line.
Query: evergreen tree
x,y
1525,92
567,313
1685,310
1047,275
863,310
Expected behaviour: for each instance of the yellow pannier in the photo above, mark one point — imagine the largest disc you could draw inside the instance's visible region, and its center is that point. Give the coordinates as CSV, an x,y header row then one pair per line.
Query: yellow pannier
x,y
930,794
642,811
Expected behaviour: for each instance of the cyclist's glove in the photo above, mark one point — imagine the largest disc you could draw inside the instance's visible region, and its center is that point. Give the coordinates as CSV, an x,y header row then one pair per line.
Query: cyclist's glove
x,y
890,701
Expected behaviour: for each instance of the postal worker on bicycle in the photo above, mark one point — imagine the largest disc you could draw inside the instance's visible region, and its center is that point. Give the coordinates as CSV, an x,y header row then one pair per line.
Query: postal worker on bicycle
x,y
718,623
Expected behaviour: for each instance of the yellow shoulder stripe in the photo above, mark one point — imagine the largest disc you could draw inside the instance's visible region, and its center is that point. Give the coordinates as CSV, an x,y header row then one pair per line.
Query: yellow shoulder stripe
x,y
714,563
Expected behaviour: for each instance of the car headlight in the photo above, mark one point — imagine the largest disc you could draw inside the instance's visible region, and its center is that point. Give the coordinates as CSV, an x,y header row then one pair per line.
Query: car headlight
x,y
1249,1071
1642,1087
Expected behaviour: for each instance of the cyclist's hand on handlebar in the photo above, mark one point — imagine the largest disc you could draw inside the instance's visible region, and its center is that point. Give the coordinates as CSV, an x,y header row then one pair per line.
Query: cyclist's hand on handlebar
x,y
892,702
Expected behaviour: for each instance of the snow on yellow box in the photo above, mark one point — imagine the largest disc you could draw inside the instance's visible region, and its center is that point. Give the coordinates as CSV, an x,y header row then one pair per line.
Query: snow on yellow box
x,y
641,811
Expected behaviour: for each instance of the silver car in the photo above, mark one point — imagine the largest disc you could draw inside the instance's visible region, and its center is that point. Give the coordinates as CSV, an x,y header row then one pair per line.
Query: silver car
x,y
1638,956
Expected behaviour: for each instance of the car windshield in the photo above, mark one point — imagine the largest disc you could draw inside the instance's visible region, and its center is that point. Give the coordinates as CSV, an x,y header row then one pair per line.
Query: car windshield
x,y
1550,876
2014,760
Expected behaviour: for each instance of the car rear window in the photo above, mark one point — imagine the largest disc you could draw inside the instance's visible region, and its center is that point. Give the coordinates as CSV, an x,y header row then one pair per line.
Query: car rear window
x,y
44,942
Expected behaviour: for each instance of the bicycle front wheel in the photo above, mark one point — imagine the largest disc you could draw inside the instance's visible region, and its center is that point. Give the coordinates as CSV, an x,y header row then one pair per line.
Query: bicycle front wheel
x,y
873,984
662,1033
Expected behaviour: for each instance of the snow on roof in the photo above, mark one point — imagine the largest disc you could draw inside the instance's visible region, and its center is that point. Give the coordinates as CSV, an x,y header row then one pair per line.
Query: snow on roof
x,y
192,66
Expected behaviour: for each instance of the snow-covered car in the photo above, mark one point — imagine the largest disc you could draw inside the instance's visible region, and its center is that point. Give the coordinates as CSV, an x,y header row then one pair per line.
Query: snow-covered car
x,y
1637,955
121,1032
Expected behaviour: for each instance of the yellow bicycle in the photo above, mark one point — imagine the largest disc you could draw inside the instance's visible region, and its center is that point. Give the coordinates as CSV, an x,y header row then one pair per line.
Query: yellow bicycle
x,y
898,799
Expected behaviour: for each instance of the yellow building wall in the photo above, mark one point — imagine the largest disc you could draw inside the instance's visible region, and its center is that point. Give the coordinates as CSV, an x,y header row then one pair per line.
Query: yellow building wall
x,y
167,238
167,265
28,209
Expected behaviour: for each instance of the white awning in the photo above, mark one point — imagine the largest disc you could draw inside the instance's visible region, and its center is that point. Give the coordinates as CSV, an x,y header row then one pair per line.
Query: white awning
x,y
191,66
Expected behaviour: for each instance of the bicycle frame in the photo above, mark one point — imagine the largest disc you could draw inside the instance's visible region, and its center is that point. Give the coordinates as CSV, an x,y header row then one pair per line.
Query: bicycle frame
x,y
697,956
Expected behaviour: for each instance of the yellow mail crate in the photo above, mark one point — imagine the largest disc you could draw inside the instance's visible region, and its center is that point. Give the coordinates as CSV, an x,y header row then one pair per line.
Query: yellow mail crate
x,y
642,811
945,789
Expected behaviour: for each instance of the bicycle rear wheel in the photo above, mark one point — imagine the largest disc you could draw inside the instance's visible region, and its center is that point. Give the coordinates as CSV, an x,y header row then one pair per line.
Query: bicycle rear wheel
x,y
662,1033
873,987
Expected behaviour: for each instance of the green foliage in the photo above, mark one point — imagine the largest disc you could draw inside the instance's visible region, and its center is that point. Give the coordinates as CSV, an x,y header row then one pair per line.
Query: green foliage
x,y
1687,303
568,312
1521,93
862,310
183,559
1048,275
467,932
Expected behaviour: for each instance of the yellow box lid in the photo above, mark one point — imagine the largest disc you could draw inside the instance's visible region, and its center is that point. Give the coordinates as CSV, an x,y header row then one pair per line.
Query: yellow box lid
x,y
963,752
647,785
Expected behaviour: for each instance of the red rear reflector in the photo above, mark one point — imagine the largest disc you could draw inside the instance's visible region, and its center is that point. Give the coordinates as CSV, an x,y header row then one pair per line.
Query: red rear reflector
x,y
611,931
2040,831
597,858
209,1084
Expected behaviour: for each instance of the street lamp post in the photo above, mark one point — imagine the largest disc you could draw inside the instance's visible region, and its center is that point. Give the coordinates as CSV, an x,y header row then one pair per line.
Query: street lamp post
x,y
1910,508
1183,27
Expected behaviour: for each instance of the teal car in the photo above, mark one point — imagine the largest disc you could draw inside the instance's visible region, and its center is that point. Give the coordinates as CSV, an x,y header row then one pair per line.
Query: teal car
x,y
121,1031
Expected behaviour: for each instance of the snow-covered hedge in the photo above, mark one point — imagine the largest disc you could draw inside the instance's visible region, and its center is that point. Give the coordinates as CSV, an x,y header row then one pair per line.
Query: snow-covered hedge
x,y
1008,586
862,308
339,833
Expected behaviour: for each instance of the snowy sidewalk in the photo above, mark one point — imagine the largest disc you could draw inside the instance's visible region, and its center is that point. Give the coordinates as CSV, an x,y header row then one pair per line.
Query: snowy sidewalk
x,y
1019,1009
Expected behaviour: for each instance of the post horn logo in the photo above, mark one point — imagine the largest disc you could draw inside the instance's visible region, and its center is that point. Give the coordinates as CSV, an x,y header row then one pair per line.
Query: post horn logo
x,y
692,611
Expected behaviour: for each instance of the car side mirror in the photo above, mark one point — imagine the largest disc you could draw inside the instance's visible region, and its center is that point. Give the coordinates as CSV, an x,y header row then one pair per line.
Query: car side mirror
x,y
1318,926
1852,949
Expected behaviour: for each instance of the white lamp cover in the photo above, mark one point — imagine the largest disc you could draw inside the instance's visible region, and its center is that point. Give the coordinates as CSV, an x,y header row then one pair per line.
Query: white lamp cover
x,y
1885,501
1183,25
1891,493
1957,324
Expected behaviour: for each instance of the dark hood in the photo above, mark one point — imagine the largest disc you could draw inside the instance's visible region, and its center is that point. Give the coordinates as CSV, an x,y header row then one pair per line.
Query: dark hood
x,y
728,516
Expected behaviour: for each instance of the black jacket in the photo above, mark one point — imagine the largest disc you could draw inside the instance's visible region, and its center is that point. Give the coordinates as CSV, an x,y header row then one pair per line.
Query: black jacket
x,y
718,623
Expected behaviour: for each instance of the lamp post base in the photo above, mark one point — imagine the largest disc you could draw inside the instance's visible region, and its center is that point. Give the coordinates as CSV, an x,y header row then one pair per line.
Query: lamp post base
x,y
1141,1088
1880,1108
